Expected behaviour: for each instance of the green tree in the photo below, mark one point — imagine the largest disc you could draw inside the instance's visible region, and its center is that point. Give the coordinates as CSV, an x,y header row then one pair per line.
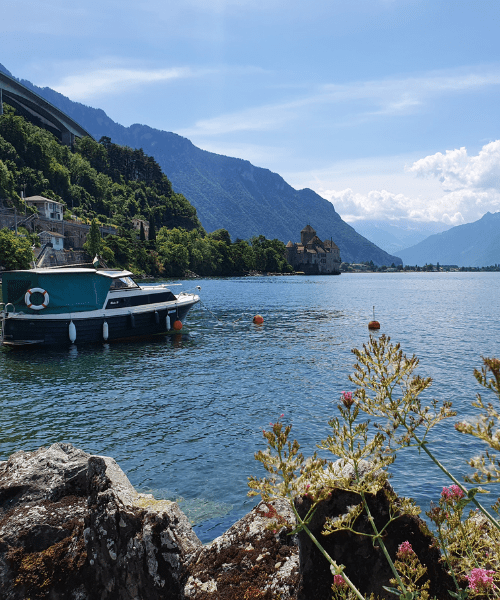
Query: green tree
x,y
15,251
93,243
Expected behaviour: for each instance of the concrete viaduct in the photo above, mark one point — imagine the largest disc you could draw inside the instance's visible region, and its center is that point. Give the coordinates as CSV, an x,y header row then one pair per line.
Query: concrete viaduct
x,y
20,97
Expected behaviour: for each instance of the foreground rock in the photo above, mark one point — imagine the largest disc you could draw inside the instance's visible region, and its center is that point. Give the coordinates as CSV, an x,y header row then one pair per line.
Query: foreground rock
x,y
72,527
364,563
255,558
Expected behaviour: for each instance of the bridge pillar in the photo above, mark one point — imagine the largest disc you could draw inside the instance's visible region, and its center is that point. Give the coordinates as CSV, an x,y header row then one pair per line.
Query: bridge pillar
x,y
68,138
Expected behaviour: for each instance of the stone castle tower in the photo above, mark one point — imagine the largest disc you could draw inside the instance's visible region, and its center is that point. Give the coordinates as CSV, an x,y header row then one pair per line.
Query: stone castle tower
x,y
312,256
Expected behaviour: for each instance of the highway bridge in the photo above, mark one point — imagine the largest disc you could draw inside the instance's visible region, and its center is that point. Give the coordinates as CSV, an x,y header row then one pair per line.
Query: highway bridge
x,y
22,98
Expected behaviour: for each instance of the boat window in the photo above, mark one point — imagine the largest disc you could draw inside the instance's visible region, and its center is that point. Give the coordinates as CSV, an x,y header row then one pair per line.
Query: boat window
x,y
123,283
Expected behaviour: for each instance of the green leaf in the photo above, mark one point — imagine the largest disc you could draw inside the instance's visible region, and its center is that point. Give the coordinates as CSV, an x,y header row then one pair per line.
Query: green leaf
x,y
392,590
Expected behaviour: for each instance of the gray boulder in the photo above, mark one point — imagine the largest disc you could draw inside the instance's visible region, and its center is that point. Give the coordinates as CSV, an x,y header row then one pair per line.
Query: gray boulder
x,y
73,527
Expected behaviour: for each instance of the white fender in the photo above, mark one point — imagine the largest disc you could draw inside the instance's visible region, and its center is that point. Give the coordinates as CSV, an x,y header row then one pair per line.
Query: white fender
x,y
168,322
105,331
72,332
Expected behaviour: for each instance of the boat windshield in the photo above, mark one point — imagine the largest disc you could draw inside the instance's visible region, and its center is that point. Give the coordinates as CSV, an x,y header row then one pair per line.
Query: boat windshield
x,y
123,283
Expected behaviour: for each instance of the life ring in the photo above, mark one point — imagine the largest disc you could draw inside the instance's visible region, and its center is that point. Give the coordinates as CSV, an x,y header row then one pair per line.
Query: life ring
x,y
29,304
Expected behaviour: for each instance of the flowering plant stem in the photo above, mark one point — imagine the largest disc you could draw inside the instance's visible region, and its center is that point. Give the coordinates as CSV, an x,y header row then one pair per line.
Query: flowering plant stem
x,y
338,570
490,517
377,537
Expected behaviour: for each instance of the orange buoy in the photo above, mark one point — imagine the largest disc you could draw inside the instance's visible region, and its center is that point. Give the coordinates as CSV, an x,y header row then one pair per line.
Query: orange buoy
x,y
177,325
258,319
374,324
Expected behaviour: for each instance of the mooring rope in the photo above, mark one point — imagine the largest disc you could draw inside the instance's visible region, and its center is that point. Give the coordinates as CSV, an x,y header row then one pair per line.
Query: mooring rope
x,y
218,319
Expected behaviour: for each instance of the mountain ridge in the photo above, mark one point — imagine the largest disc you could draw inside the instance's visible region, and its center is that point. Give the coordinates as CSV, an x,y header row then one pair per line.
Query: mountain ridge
x,y
474,244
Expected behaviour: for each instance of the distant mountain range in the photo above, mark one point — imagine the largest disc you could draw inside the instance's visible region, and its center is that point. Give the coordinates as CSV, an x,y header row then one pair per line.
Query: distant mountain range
x,y
395,236
227,192
472,245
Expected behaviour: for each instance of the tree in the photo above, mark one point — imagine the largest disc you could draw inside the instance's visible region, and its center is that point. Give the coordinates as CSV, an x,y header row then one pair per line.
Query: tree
x,y
93,244
15,251
152,229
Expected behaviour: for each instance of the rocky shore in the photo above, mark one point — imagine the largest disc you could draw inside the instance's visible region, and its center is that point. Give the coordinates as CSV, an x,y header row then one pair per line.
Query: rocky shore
x,y
72,527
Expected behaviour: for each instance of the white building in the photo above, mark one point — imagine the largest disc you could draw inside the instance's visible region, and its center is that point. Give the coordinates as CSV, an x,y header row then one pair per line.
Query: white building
x,y
50,209
56,239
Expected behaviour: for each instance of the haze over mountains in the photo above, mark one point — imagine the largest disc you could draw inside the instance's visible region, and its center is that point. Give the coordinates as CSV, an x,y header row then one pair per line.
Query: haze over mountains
x,y
395,236
227,192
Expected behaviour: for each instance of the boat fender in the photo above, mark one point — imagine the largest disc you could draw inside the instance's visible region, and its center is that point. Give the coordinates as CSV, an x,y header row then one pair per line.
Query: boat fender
x,y
177,325
72,332
105,331
167,322
157,317
132,320
29,304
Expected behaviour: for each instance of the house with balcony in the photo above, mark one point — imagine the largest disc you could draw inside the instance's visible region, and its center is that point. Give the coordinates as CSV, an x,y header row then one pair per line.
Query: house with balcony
x,y
47,208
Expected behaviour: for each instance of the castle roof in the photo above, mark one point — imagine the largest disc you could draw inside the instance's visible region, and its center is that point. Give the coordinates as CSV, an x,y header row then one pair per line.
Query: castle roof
x,y
308,229
330,244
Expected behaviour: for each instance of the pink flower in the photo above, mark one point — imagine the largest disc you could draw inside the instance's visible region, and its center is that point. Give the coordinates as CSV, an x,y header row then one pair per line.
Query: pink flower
x,y
339,581
346,399
480,579
405,549
454,492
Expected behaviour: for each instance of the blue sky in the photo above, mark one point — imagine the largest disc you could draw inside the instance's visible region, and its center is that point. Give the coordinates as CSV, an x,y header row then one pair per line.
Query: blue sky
x,y
388,108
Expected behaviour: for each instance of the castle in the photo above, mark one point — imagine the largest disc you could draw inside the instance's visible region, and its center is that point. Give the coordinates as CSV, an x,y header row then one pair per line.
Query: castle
x,y
312,256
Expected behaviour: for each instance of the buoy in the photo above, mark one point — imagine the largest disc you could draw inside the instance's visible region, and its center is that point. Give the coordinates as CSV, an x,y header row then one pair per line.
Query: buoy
x,y
374,324
167,322
177,325
72,332
105,331
258,319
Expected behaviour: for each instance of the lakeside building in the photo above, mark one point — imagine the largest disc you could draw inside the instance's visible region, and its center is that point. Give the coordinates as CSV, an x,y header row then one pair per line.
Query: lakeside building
x,y
312,256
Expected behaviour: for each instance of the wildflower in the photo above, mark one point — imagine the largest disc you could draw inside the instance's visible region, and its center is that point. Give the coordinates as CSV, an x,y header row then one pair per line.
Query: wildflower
x,y
339,581
346,398
405,550
454,492
480,579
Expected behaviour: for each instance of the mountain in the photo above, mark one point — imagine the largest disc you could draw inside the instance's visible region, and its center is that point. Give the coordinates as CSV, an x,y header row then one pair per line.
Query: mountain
x,y
394,236
228,193
472,245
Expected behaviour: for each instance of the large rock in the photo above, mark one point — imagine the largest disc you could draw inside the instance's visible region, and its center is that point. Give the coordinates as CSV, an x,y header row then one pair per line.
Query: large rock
x,y
256,558
365,564
73,527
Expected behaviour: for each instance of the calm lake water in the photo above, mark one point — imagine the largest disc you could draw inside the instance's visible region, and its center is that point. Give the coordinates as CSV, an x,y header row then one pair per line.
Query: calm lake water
x,y
184,416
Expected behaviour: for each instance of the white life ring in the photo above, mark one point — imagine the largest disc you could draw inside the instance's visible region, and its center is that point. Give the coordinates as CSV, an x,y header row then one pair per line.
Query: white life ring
x,y
29,304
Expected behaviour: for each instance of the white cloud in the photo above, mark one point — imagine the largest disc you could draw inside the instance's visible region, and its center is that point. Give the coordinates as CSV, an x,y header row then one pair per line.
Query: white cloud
x,y
471,185
101,82
354,103
457,171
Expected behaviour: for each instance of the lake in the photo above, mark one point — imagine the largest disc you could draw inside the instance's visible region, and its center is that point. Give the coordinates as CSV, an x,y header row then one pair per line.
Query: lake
x,y
184,416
